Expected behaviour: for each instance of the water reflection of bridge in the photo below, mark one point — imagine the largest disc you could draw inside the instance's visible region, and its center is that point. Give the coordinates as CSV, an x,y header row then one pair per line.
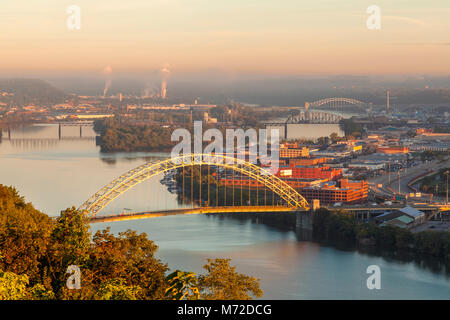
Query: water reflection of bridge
x,y
27,141
79,124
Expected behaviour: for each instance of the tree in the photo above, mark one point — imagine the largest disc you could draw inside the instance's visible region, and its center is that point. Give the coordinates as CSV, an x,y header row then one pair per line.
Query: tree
x,y
350,127
13,286
222,282
130,257
70,243
182,285
323,141
116,289
39,292
24,235
334,137
112,267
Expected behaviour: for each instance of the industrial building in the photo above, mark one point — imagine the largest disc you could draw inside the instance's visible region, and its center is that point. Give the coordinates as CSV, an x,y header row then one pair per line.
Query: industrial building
x,y
343,190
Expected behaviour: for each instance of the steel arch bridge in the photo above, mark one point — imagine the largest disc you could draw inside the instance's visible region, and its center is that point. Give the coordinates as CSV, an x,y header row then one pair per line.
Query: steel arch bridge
x,y
314,117
337,102
143,172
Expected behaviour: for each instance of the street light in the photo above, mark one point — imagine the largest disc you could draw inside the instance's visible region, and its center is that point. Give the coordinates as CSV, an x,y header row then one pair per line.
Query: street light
x,y
446,173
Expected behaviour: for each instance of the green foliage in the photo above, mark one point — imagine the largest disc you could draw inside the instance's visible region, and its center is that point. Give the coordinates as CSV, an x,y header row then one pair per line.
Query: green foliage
x,y
39,292
222,282
334,227
69,245
323,141
24,235
436,183
130,257
115,289
435,243
341,227
350,127
13,286
182,285
117,136
334,137
35,253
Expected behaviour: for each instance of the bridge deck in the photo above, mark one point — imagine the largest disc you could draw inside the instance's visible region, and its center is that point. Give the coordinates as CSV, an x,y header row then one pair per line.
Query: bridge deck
x,y
202,210
248,209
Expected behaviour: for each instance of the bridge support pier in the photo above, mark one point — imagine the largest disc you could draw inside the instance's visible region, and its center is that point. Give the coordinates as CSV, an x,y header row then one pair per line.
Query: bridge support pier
x,y
303,225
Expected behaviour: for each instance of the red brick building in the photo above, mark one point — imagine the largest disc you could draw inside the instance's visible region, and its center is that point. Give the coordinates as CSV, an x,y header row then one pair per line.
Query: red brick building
x,y
309,172
344,191
308,161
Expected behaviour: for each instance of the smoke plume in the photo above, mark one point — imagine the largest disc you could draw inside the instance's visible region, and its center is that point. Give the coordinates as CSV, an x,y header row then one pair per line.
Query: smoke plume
x,y
107,72
165,73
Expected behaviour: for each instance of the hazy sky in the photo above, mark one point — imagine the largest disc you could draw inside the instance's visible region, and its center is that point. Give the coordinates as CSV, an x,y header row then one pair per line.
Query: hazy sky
x,y
262,36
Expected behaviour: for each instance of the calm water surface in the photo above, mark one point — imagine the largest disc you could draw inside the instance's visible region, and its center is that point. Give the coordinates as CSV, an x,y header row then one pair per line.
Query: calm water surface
x,y
55,174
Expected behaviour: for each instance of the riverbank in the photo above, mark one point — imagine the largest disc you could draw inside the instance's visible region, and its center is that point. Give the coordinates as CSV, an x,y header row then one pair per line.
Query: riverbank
x,y
345,232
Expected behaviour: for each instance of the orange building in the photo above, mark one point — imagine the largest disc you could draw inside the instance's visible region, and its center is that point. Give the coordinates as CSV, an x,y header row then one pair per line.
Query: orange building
x,y
309,172
293,145
344,191
392,149
294,153
307,161
423,130
294,183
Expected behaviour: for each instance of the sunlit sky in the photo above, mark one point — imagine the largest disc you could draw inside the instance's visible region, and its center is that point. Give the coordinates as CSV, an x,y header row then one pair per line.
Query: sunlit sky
x,y
261,36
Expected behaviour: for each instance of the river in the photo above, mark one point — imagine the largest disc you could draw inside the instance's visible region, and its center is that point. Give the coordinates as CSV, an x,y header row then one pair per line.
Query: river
x,y
55,174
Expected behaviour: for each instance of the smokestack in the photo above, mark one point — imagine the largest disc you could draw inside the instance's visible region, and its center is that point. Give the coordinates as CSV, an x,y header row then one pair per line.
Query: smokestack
x,y
163,89
387,100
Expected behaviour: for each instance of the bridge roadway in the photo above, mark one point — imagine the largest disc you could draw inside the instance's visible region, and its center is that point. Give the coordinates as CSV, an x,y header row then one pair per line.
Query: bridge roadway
x,y
199,210
252,209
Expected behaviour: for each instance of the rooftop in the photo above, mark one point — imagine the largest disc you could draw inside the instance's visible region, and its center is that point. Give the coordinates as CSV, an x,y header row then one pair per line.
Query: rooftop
x,y
412,212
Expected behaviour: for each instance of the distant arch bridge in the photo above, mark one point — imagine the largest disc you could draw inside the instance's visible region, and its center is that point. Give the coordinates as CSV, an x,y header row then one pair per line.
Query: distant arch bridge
x,y
316,117
338,103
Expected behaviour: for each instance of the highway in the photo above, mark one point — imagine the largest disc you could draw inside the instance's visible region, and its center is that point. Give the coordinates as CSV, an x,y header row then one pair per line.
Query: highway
x,y
406,175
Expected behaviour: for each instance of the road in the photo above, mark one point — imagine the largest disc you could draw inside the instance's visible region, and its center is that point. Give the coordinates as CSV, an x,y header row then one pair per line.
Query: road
x,y
391,185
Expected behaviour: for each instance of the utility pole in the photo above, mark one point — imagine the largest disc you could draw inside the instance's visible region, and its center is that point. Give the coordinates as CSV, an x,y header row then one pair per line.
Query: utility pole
x,y
446,199
387,101
389,173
